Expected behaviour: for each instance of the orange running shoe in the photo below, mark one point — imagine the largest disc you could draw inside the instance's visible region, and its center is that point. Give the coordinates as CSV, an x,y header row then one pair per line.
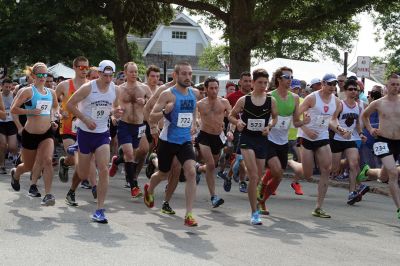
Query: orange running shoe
x,y
136,192
297,188
148,198
189,220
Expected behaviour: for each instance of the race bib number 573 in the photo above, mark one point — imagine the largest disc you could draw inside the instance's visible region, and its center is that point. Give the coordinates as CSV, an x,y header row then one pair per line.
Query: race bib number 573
x,y
255,124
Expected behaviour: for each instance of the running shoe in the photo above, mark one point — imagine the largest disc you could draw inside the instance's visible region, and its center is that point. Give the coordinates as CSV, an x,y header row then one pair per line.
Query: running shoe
x,y
216,201
48,200
260,191
14,182
94,192
318,212
222,174
243,187
148,198
3,171
297,188
85,184
72,149
99,216
34,192
70,199
262,209
136,192
227,184
353,197
166,208
189,220
362,175
114,167
150,169
363,189
63,170
198,173
255,218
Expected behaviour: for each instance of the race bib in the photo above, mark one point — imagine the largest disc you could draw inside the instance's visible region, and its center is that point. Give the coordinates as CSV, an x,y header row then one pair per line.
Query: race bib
x,y
8,115
283,122
141,131
380,148
74,126
255,124
100,112
322,121
45,106
185,119
222,137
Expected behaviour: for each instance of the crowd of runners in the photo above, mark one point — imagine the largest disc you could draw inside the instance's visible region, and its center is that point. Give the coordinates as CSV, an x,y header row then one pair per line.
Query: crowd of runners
x,y
267,122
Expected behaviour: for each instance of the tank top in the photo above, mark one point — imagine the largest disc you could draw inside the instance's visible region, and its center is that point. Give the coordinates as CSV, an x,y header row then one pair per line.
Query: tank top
x,y
40,101
320,116
348,120
7,101
178,123
279,133
255,117
68,125
97,105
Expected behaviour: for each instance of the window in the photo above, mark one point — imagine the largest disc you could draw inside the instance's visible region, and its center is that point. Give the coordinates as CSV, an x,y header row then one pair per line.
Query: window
x,y
179,35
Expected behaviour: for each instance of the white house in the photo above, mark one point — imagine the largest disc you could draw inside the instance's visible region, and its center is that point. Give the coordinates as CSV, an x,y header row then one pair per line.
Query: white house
x,y
182,40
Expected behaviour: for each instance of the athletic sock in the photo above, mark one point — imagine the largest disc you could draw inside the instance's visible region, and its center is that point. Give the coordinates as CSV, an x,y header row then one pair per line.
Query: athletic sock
x,y
130,173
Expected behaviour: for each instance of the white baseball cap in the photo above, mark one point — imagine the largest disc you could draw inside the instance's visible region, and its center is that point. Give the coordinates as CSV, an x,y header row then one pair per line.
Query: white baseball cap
x,y
105,66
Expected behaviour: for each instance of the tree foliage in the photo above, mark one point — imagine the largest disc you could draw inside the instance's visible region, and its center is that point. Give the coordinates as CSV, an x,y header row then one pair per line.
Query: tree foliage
x,y
251,24
388,20
214,57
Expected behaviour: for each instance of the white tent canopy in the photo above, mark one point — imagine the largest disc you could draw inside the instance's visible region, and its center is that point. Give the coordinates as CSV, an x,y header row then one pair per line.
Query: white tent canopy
x,y
61,70
304,70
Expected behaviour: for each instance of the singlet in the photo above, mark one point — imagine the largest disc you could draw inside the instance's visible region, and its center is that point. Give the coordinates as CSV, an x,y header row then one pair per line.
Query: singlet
x,y
7,100
40,101
68,125
178,123
97,105
279,133
320,116
348,120
255,117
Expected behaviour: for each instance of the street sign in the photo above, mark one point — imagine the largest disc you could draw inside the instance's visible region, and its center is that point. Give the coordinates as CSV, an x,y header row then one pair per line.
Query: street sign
x,y
363,66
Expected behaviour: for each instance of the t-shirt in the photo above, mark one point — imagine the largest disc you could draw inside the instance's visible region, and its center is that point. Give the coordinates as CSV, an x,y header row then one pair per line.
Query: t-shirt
x,y
234,97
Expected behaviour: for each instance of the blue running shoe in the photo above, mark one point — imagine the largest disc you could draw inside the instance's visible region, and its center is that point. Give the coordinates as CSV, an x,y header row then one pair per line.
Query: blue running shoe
x,y
227,184
72,148
353,197
198,173
99,216
222,174
255,219
363,189
216,201
243,187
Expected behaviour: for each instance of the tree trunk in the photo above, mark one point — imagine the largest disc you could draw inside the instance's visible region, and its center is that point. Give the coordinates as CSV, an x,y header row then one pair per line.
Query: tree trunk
x,y
121,43
239,60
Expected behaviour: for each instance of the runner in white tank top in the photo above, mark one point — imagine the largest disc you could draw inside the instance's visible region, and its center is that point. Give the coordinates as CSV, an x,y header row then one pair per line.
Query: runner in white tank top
x,y
96,100
320,106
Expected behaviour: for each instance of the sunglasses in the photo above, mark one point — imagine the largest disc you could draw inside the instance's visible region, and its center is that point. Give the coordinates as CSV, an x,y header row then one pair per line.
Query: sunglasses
x,y
83,67
287,77
41,75
332,83
352,89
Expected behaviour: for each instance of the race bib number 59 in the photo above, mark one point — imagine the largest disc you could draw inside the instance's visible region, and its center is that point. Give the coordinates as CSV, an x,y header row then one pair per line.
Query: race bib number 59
x,y
185,119
100,112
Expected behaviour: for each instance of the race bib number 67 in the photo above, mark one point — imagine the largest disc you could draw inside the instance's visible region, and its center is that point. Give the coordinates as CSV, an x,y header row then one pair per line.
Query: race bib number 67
x,y
381,148
45,106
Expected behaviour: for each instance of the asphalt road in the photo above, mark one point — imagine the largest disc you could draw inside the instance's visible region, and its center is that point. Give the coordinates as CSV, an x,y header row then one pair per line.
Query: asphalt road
x,y
365,234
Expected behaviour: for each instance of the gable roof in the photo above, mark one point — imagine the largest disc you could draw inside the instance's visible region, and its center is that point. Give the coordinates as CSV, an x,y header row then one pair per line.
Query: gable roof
x,y
180,21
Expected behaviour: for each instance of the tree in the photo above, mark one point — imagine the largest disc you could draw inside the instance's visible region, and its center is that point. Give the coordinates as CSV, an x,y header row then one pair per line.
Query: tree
x,y
388,20
248,24
135,16
50,31
214,57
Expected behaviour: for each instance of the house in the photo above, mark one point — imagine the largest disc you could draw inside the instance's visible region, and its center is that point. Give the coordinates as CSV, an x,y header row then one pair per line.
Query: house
x,y
182,40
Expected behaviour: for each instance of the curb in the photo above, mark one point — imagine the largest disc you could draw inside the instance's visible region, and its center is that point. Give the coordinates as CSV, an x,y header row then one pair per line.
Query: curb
x,y
333,183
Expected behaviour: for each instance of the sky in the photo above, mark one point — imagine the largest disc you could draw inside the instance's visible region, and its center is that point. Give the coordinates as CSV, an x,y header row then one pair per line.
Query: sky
x,y
364,45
